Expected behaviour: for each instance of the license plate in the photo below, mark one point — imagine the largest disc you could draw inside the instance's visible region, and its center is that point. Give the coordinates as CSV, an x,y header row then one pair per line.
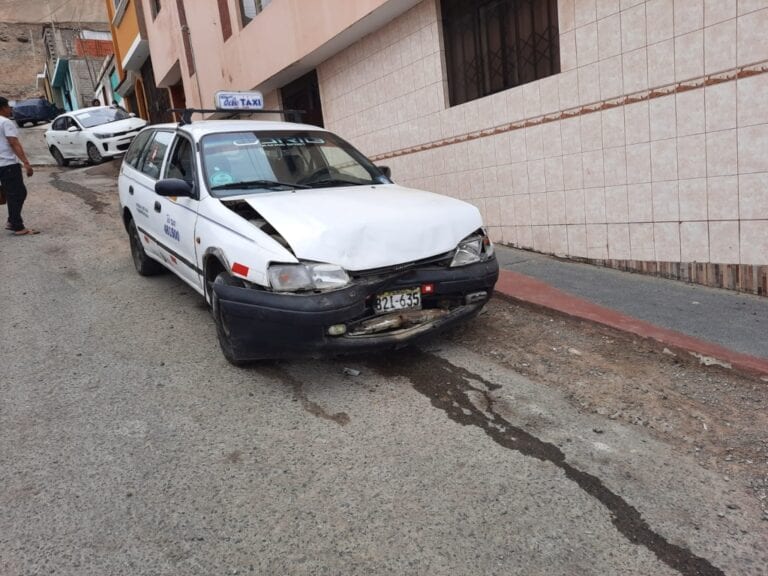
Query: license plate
x,y
407,298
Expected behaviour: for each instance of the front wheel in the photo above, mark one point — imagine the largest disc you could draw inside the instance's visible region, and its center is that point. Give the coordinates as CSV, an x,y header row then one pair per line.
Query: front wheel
x,y
222,328
93,154
59,157
144,265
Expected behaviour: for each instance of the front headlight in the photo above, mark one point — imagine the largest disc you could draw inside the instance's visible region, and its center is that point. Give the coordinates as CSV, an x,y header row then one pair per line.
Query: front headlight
x,y
295,277
104,136
473,249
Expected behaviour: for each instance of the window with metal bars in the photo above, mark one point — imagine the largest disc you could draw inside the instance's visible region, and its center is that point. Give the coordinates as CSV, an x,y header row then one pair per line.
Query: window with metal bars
x,y
492,45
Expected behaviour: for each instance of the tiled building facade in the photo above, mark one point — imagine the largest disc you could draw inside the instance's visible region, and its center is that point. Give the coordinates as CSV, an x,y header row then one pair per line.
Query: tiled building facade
x,y
648,150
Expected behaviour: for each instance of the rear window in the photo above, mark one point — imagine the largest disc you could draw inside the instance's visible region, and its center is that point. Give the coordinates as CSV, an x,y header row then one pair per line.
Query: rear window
x,y
33,102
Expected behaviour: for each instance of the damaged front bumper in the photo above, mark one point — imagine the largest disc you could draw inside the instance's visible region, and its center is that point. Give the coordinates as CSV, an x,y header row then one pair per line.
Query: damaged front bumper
x,y
265,324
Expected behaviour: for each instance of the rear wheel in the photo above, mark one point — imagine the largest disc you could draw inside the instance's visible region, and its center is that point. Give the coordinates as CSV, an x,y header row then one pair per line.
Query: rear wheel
x,y
144,264
222,329
93,154
59,157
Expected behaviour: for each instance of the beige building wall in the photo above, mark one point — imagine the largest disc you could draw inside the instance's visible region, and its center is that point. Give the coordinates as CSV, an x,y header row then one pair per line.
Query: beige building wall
x,y
651,145
262,53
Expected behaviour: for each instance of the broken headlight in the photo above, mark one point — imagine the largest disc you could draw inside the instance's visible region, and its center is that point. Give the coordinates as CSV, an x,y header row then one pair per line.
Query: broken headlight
x,y
296,277
473,249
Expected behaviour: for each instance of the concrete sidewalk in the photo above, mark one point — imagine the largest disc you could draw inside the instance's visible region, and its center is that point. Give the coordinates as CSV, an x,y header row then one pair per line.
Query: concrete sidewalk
x,y
719,326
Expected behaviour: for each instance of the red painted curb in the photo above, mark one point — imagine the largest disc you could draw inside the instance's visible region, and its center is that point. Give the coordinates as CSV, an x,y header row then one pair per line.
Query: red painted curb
x,y
526,289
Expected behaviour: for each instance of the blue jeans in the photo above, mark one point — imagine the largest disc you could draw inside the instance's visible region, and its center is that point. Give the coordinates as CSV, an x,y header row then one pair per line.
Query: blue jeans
x,y
15,194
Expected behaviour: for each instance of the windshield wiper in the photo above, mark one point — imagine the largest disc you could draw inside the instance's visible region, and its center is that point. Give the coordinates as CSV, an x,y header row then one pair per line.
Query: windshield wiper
x,y
248,184
337,181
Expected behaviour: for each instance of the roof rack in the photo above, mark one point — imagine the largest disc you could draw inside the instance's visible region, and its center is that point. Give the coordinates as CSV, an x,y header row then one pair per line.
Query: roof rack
x,y
186,113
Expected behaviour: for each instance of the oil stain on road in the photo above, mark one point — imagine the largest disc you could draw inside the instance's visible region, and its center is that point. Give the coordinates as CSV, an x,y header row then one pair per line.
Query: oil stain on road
x,y
279,373
450,389
87,195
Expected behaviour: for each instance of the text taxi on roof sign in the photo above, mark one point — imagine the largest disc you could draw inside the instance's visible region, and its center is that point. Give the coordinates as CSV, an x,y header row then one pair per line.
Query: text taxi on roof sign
x,y
298,242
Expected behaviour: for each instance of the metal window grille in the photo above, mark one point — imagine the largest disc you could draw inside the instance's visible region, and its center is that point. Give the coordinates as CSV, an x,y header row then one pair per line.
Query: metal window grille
x,y
492,45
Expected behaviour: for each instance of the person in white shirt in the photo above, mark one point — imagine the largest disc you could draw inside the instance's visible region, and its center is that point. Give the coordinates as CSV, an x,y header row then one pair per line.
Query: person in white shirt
x,y
12,157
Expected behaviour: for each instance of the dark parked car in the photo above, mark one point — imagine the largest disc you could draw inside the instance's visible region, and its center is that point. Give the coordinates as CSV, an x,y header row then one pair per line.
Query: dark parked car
x,y
34,110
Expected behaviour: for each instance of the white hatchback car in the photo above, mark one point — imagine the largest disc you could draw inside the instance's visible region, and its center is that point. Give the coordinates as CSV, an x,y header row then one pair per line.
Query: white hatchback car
x,y
298,242
92,134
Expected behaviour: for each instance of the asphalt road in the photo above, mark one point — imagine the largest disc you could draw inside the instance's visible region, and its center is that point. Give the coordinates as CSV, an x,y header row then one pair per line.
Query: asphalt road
x,y
33,140
129,446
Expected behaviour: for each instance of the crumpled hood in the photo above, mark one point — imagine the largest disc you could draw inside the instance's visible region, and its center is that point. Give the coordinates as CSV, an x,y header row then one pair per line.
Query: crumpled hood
x,y
362,228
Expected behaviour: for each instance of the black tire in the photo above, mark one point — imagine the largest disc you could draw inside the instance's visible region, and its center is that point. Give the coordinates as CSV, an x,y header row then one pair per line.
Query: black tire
x,y
144,265
59,157
222,330
20,123
93,154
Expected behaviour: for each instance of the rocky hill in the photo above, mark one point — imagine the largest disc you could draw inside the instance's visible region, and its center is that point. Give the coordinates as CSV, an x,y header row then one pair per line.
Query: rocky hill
x,y
40,11
22,57
22,54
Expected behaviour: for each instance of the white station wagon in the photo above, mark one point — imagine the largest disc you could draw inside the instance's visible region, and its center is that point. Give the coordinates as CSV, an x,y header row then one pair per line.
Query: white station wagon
x,y
301,246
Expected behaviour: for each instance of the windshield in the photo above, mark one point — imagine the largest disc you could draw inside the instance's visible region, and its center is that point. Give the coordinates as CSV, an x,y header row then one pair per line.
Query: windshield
x,y
97,116
257,162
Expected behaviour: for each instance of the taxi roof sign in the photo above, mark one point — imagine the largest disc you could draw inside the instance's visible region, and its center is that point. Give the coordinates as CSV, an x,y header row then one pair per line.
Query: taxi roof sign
x,y
239,100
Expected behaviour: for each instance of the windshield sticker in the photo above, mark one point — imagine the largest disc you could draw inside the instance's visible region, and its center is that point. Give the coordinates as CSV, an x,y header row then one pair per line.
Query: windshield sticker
x,y
170,229
220,178
291,141
253,141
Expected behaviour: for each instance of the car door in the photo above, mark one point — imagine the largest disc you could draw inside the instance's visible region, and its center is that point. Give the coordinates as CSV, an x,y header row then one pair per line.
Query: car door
x,y
133,195
142,178
56,133
77,140
68,138
179,215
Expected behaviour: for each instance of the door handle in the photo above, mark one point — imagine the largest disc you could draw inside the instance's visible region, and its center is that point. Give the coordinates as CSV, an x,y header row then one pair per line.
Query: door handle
x,y
158,207
130,190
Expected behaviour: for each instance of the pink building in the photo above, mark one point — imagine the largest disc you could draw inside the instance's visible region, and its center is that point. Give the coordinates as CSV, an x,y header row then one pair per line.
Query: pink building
x,y
629,133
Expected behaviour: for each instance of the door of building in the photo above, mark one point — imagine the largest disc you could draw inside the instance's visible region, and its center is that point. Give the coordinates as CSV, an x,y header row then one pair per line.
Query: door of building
x,y
158,99
304,94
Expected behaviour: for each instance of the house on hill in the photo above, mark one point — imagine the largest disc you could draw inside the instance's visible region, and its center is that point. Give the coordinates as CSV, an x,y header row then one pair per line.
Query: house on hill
x,y
74,57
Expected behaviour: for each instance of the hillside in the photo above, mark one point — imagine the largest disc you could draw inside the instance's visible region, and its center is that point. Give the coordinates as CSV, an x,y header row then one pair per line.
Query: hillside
x,y
22,57
22,54
40,11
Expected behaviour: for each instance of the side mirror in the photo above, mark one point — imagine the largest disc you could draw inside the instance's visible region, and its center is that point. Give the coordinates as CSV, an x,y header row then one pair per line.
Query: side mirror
x,y
173,187
73,129
386,171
